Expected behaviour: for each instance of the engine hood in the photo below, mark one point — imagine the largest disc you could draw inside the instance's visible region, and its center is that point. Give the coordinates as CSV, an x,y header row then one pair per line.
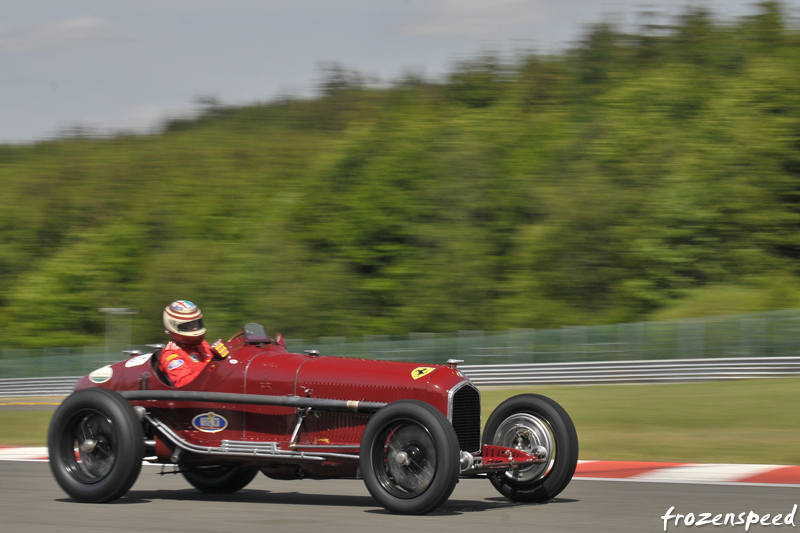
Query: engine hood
x,y
378,381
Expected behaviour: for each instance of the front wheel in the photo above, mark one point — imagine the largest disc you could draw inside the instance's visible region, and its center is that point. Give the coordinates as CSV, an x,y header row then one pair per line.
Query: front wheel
x,y
219,479
531,422
96,445
409,457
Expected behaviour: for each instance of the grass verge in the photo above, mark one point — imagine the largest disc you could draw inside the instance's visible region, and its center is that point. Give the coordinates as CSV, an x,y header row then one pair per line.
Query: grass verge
x,y
742,421
25,428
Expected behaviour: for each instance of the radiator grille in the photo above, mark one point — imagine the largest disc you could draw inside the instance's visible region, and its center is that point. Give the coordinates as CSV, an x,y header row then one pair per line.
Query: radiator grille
x,y
466,418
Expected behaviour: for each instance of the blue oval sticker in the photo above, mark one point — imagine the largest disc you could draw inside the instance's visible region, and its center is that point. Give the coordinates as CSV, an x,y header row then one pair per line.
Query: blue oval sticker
x,y
209,422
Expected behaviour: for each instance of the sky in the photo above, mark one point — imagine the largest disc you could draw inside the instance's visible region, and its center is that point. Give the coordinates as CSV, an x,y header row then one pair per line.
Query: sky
x,y
107,66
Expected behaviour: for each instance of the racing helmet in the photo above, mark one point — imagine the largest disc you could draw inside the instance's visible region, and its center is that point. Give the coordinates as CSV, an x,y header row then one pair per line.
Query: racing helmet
x,y
184,322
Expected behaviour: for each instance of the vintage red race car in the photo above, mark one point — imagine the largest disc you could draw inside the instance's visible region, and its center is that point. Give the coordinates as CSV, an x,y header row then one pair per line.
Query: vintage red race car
x,y
409,430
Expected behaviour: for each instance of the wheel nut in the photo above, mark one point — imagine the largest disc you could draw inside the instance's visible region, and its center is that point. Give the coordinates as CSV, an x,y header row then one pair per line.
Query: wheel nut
x,y
87,446
402,459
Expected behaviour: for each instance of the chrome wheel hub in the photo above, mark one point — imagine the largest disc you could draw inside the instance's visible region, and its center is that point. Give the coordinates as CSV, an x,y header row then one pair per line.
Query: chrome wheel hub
x,y
531,434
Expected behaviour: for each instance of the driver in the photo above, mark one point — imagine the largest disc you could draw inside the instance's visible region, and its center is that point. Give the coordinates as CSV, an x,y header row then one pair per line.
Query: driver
x,y
185,357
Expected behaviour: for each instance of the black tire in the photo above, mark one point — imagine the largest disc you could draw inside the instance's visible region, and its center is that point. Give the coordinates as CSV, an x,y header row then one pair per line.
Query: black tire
x,y
219,479
409,457
96,445
524,422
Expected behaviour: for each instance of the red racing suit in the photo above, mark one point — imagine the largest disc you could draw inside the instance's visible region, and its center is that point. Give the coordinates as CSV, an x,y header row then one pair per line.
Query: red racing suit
x,y
183,362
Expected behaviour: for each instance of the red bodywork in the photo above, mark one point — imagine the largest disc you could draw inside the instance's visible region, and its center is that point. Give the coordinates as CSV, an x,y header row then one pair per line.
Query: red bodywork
x,y
279,438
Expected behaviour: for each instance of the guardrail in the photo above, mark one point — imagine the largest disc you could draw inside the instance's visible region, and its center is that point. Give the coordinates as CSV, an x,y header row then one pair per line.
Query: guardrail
x,y
24,387
659,371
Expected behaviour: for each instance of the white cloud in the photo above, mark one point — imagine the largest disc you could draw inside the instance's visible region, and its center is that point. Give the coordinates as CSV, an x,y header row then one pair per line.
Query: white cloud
x,y
150,118
475,18
455,7
548,19
66,33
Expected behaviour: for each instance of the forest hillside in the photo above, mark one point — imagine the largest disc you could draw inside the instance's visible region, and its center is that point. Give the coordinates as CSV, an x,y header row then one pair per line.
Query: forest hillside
x,y
636,176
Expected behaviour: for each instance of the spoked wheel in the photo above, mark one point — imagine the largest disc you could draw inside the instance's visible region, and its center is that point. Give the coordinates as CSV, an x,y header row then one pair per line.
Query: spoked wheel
x,y
538,425
96,445
409,457
219,479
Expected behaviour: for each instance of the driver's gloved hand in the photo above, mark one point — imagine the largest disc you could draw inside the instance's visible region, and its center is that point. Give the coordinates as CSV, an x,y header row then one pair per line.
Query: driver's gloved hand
x,y
220,349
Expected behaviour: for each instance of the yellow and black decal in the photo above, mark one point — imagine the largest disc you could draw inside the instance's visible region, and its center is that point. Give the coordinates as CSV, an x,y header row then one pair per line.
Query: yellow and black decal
x,y
421,371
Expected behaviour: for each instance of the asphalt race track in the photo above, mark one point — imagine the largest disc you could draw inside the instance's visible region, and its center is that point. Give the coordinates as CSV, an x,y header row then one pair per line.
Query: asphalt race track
x,y
30,501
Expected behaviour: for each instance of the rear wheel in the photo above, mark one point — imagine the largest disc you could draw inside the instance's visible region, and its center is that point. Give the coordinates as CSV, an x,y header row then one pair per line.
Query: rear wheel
x,y
219,479
409,457
530,422
96,445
